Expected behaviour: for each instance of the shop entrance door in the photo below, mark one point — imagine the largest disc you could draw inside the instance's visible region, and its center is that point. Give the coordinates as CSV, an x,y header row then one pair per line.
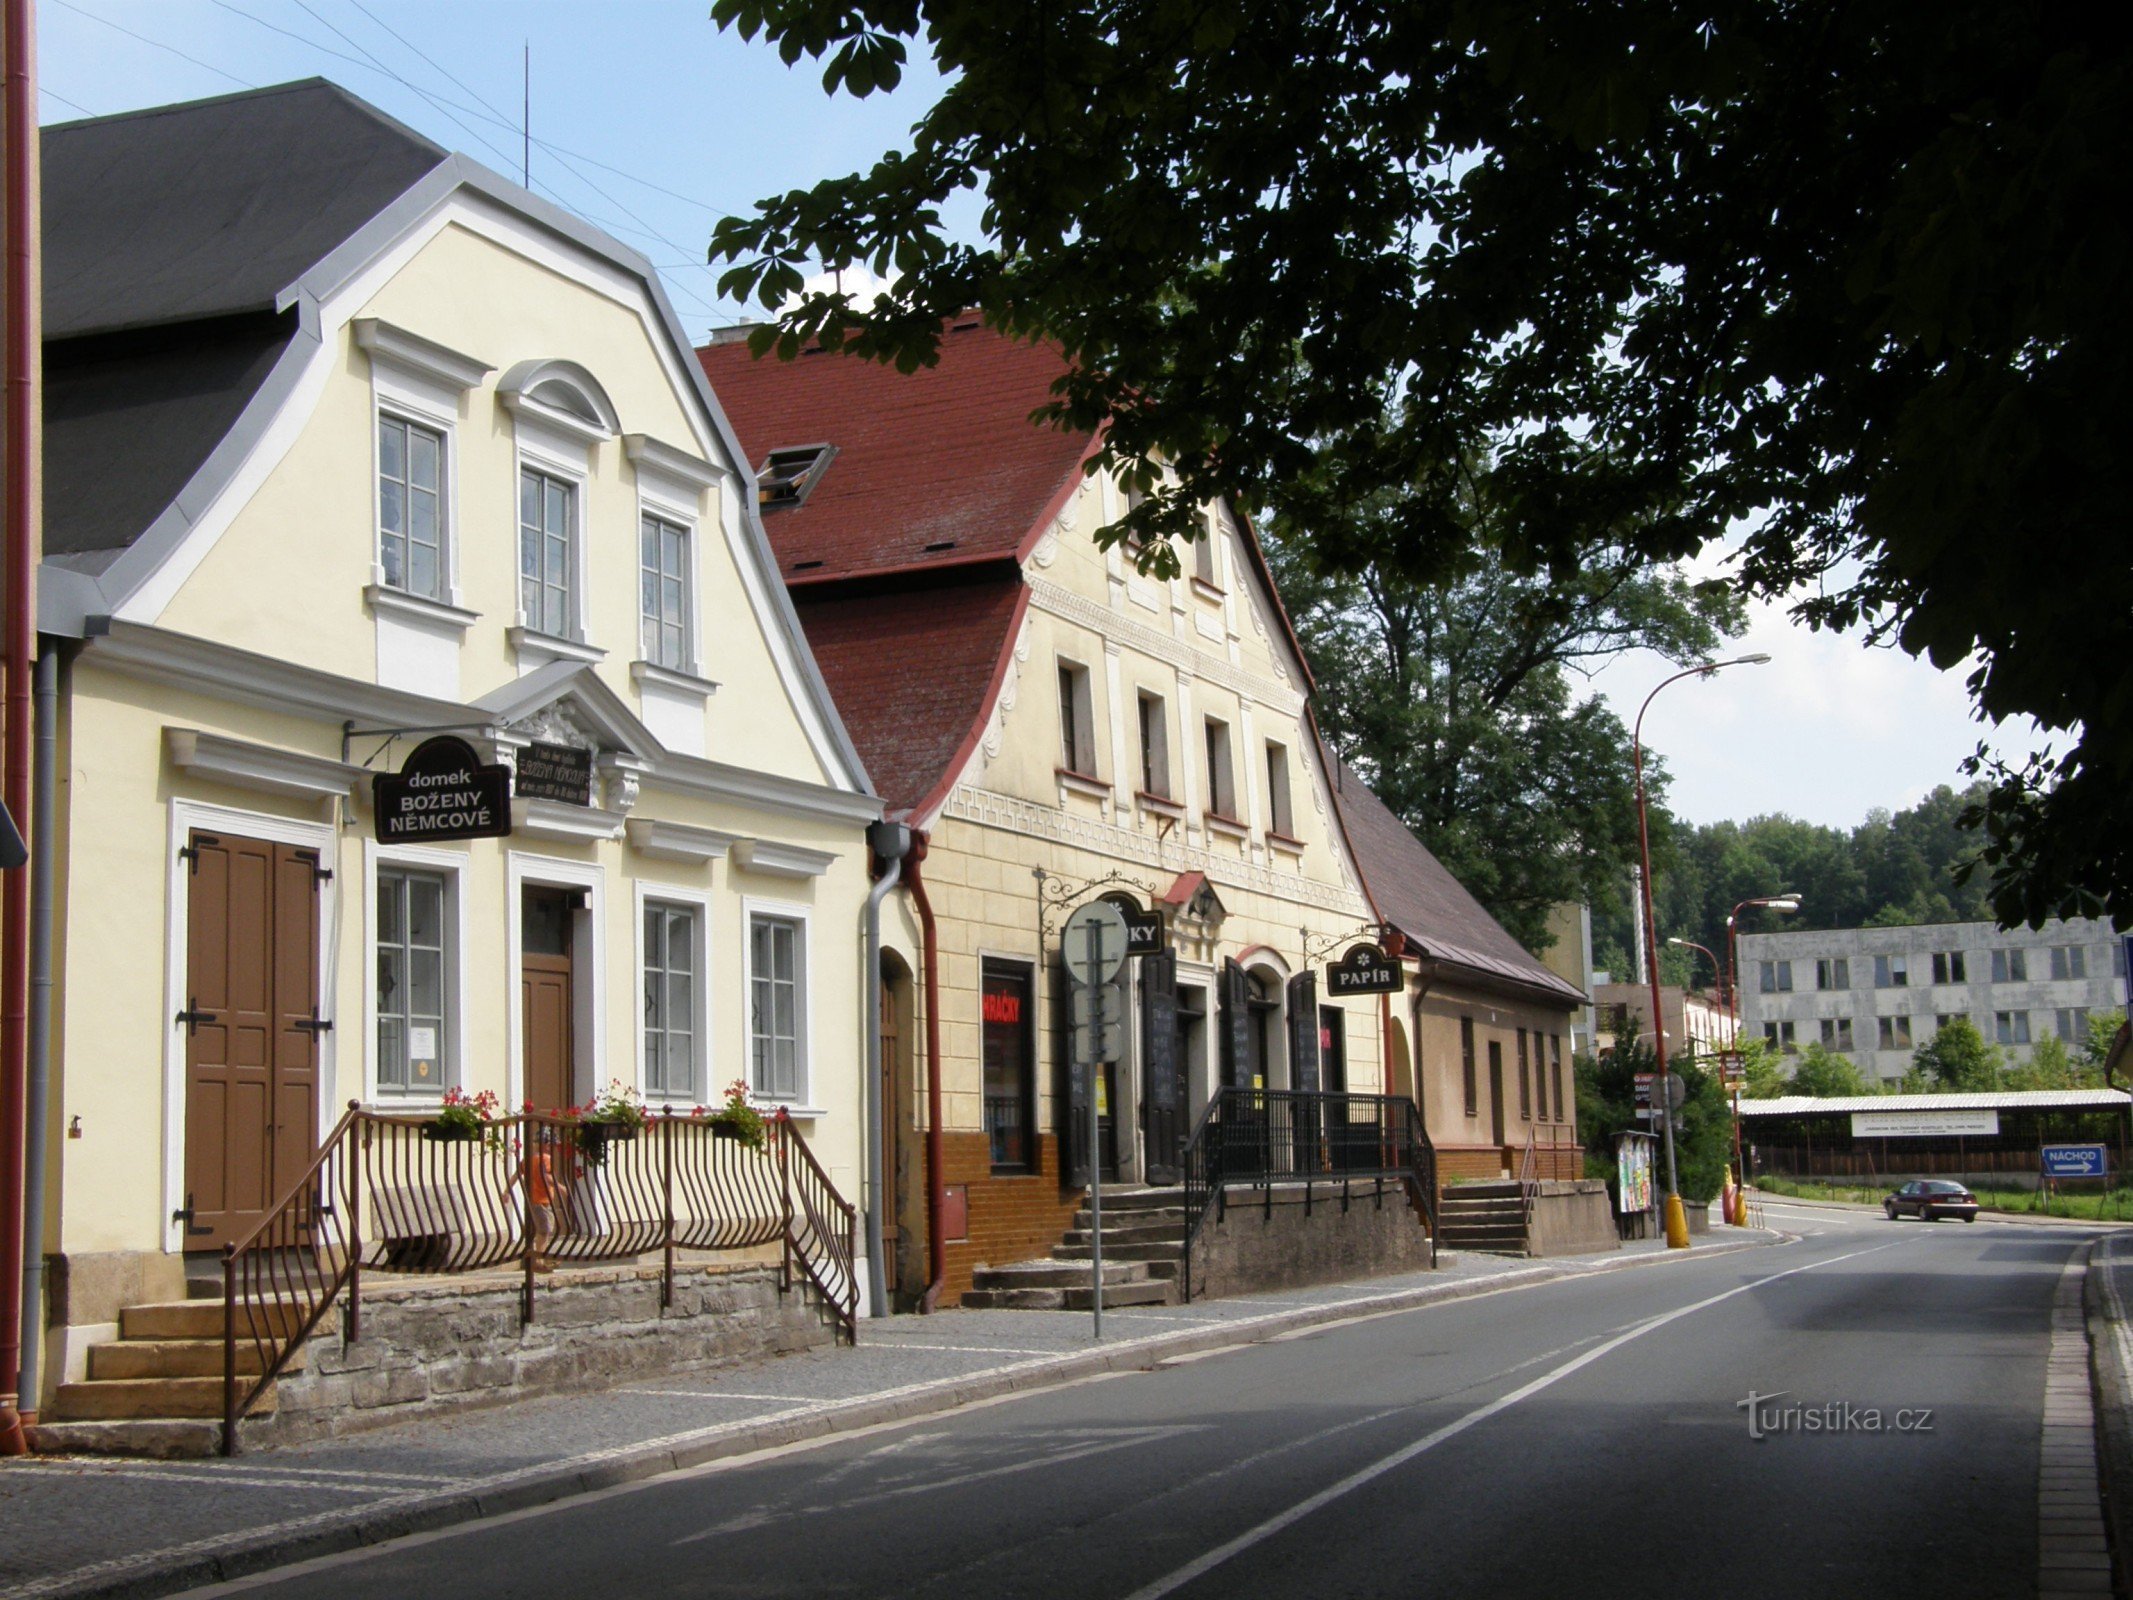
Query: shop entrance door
x,y
251,1031
550,1021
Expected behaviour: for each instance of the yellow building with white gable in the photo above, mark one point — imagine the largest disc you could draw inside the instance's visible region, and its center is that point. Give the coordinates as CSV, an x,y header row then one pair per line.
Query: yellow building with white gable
x,y
1056,726
351,446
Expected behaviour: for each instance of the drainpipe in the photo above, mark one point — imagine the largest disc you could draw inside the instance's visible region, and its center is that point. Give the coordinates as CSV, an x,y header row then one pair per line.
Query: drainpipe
x,y
889,842
40,1047
20,454
936,1188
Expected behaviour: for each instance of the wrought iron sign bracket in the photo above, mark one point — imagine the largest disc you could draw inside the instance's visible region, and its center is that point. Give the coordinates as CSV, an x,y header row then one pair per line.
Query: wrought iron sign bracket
x,y
1317,946
1058,895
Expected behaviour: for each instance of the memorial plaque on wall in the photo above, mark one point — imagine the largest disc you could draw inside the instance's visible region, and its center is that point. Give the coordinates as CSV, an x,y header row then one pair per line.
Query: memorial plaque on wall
x,y
442,791
555,772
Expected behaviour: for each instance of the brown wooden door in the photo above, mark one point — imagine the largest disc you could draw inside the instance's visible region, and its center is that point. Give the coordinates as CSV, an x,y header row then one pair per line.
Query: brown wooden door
x,y
889,1178
251,1023
550,1079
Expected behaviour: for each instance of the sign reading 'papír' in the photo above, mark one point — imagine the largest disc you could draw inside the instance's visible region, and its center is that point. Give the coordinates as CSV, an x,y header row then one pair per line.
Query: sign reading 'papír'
x,y
443,791
1364,969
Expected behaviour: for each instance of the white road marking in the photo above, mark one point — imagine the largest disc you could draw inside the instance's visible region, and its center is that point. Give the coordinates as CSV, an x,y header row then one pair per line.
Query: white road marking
x,y
247,1480
797,1400
1171,1582
968,1349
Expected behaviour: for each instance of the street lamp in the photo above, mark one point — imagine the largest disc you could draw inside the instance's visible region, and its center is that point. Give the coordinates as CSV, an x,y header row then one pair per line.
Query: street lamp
x,y
1788,903
1677,1221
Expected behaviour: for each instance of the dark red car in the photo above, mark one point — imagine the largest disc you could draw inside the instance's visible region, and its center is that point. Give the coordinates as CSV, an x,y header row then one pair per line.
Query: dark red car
x,y
1930,1199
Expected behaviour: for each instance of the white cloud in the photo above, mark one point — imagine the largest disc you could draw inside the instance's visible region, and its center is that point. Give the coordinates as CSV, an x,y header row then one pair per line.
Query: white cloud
x,y
858,282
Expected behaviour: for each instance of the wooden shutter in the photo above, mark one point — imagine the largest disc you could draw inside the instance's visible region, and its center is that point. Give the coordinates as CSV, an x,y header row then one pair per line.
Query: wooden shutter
x,y
1303,1032
1162,1078
1236,1025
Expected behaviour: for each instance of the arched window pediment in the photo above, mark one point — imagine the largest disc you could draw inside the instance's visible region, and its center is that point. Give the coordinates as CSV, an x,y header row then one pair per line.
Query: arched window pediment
x,y
562,393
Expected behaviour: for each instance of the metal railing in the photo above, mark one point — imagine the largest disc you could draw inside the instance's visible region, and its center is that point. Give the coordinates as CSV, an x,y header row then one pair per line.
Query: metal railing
x,y
405,1195
1261,1139
1529,1181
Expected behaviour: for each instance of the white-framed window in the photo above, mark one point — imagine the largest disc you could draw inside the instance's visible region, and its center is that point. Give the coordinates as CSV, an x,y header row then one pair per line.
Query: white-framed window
x,y
1077,720
777,984
674,965
1221,780
548,509
1895,1033
413,997
1279,819
2011,1027
412,507
1155,745
416,931
2069,961
1204,557
1833,972
1892,972
664,602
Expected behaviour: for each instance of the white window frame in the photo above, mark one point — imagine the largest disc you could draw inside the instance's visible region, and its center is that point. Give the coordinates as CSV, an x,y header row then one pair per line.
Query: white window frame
x,y
1082,689
1280,797
683,510
589,1000
574,622
708,1087
185,817
428,396
1222,775
1154,763
453,866
802,1101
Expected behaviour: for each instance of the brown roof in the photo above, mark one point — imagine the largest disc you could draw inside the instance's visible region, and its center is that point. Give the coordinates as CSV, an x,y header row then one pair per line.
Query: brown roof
x,y
914,674
1413,892
935,468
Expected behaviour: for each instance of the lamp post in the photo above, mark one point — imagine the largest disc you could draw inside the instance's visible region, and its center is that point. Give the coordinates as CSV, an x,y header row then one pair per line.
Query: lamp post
x,y
1677,1221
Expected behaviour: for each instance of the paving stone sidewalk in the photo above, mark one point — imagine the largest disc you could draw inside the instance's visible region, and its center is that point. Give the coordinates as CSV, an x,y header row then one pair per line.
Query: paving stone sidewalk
x,y
2108,1295
138,1528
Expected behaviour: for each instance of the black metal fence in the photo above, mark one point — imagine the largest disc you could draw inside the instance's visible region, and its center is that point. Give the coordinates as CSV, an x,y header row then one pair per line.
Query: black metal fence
x,y
1260,1139
407,1195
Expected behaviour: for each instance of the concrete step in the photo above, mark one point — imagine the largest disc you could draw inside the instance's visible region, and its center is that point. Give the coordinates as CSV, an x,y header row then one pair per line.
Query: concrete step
x,y
1014,1300
1118,1200
164,1438
176,1358
1483,1208
1049,1274
1482,1189
202,1319
1131,1294
125,1399
1129,1233
1170,1251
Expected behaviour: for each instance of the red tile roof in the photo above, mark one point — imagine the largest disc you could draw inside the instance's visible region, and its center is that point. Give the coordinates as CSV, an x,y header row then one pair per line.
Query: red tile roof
x,y
914,675
933,468
1412,890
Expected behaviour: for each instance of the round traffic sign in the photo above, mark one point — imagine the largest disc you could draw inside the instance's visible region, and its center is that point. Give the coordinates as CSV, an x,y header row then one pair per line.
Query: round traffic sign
x,y
1095,943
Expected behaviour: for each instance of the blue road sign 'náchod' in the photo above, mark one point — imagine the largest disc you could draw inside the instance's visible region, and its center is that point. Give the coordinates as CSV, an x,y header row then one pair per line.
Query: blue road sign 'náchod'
x,y
2074,1161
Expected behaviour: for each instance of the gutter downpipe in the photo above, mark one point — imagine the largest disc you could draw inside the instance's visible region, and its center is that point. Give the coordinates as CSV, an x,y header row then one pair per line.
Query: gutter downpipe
x,y
889,841
20,454
46,777
936,1185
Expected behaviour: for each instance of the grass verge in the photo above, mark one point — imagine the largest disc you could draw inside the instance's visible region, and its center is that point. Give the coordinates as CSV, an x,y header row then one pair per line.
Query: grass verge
x,y
2115,1205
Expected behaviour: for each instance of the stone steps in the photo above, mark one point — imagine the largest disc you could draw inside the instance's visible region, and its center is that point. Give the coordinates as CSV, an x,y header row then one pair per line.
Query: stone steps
x,y
177,1358
1128,1233
1146,1293
165,1439
129,1399
1485,1217
202,1319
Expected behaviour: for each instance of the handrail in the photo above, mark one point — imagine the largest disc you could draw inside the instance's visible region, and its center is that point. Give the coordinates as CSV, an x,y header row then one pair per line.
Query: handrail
x,y
527,1191
1261,1138
281,1254
828,1248
1529,1178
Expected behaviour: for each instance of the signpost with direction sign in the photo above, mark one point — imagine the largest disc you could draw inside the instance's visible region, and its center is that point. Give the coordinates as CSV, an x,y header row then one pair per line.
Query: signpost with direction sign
x,y
2075,1160
1364,969
1095,944
442,791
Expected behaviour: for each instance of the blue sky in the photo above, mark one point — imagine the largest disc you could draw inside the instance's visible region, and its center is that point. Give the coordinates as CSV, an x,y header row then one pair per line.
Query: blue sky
x,y
653,123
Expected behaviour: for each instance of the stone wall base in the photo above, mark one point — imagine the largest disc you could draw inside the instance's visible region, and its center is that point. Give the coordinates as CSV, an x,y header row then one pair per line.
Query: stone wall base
x,y
454,1345
1572,1219
1285,1245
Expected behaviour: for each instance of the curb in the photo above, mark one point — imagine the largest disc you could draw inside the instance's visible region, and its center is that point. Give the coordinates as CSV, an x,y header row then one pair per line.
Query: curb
x,y
242,1554
2112,1398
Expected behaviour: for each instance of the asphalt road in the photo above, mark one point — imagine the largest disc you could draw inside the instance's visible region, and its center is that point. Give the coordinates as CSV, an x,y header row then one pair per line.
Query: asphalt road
x,y
1580,1436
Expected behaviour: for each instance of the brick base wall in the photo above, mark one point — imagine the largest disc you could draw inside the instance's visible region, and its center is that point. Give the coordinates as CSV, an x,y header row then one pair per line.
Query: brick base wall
x,y
1459,1162
1012,1217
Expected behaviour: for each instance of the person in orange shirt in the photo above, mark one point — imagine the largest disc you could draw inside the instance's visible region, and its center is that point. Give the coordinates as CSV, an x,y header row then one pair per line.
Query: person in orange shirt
x,y
538,1172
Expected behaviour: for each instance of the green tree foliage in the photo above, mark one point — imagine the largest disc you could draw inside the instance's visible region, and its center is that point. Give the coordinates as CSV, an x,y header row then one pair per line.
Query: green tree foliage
x,y
2050,1066
1824,1073
1957,1060
1843,283
1762,1072
1607,1106
1458,704
2096,1047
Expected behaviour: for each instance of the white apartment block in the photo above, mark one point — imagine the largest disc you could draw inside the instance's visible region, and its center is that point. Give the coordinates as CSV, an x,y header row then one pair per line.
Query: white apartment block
x,y
1876,994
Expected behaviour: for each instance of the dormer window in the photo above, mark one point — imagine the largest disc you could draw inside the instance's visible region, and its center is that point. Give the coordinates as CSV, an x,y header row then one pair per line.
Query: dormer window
x,y
790,475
